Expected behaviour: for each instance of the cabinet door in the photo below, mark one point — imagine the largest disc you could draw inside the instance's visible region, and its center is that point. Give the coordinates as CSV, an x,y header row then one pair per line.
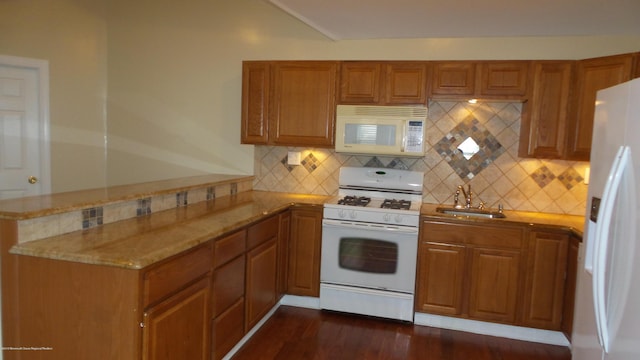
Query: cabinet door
x,y
304,251
503,79
405,83
360,82
260,282
178,328
544,286
570,287
255,102
453,78
283,252
441,272
228,329
545,115
495,275
302,108
593,75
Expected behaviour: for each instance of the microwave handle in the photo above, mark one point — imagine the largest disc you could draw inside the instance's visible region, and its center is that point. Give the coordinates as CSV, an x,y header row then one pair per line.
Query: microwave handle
x,y
404,136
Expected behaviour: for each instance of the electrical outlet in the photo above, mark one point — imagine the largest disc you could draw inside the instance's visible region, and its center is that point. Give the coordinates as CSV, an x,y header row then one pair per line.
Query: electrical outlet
x,y
293,158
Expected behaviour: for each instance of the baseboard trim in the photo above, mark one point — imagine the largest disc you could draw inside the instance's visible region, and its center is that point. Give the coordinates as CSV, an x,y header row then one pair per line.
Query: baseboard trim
x,y
492,329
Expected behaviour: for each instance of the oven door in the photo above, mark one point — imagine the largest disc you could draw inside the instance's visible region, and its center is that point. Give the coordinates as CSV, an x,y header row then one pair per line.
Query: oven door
x,y
369,255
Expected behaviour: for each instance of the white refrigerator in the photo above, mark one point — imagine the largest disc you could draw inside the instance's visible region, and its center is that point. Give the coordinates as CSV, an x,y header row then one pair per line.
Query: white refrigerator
x,y
607,317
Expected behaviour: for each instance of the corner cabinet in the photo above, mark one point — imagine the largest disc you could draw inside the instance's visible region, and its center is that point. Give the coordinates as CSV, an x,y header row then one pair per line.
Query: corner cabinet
x,y
544,124
593,75
289,103
383,82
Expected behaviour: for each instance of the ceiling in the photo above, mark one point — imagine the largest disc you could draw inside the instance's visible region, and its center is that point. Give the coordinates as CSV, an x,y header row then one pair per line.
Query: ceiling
x,y
394,19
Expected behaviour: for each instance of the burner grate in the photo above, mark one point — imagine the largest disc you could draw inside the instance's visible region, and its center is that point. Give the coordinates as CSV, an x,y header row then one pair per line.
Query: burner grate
x,y
396,204
354,200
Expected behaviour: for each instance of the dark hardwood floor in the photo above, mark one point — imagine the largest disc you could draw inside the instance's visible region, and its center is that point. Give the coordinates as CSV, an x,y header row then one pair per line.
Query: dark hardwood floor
x,y
299,333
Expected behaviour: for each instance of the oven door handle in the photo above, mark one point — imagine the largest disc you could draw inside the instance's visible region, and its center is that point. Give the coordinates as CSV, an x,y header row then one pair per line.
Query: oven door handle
x,y
368,226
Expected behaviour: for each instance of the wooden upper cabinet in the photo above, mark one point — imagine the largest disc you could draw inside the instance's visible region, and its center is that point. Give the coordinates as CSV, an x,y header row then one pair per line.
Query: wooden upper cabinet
x,y
289,103
499,80
453,78
383,82
545,115
303,103
255,102
360,82
405,83
503,78
593,75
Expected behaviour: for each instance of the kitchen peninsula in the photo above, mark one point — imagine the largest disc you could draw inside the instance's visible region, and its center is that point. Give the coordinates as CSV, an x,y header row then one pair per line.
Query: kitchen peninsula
x,y
125,288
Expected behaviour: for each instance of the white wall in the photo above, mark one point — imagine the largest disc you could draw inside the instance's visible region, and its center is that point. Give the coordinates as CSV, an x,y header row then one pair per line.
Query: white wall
x,y
172,72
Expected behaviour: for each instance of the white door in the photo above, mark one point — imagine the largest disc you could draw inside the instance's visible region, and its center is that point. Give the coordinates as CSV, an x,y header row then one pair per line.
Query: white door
x,y
24,152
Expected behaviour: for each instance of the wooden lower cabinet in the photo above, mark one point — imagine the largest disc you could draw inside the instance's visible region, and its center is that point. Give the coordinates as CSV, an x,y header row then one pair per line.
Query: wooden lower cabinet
x,y
178,328
507,274
304,251
570,286
545,283
261,270
228,293
495,277
441,270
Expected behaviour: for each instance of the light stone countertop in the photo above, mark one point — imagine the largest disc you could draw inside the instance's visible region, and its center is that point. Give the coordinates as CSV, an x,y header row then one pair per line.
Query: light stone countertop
x,y
142,241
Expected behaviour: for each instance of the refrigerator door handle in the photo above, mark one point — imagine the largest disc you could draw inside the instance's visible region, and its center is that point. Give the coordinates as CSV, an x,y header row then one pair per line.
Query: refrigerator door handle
x,y
601,243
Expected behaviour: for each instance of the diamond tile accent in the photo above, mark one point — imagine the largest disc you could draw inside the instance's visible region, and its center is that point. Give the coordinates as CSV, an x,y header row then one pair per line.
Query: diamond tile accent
x,y
91,217
490,148
144,207
570,178
181,198
310,163
543,176
374,162
211,192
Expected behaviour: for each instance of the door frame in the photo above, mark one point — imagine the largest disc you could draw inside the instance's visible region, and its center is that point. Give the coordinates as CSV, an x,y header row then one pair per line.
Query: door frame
x,y
41,68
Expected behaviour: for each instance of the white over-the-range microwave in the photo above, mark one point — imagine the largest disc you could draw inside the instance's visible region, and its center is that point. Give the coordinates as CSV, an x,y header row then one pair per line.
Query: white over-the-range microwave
x,y
381,130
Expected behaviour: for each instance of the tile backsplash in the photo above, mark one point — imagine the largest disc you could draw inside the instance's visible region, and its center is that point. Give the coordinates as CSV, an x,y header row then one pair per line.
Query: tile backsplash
x,y
495,173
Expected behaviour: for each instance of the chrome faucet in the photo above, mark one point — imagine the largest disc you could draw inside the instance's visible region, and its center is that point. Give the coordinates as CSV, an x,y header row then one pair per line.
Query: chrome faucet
x,y
466,194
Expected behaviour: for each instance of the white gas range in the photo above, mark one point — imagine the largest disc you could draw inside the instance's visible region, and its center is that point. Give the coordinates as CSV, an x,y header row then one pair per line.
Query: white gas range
x,y
369,243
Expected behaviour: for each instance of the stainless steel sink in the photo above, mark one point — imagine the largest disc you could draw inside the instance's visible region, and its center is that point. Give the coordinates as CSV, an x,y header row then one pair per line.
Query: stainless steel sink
x,y
483,213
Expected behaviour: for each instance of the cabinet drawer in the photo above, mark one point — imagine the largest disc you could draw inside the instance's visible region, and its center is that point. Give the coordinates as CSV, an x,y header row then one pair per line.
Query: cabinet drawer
x,y
494,236
169,277
228,248
262,231
228,285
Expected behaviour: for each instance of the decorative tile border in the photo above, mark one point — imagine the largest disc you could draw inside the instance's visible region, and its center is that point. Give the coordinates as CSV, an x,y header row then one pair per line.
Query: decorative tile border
x,y
47,226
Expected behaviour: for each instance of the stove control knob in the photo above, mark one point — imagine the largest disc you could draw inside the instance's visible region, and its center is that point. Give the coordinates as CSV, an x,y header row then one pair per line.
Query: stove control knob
x,y
342,213
398,218
386,217
353,214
